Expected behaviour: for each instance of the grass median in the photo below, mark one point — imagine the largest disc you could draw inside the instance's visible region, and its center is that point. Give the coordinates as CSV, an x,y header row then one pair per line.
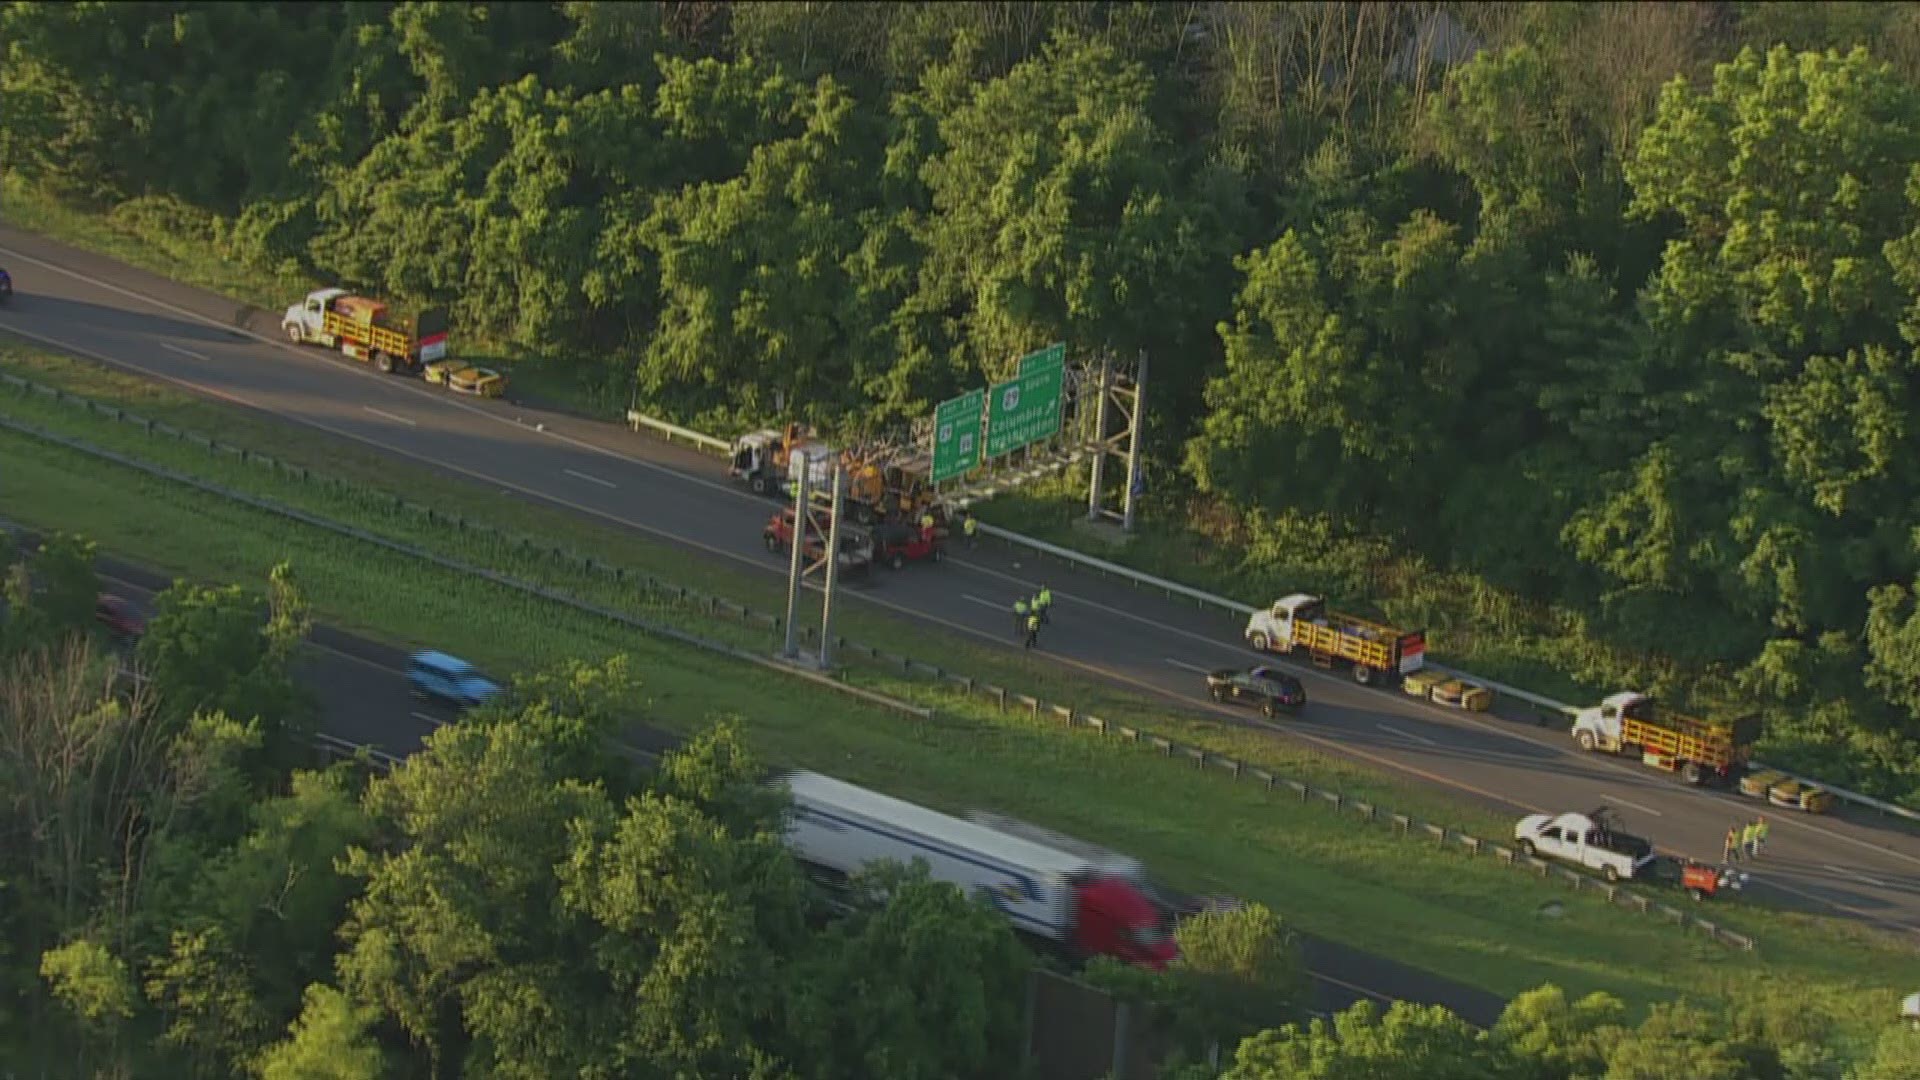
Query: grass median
x,y
1335,876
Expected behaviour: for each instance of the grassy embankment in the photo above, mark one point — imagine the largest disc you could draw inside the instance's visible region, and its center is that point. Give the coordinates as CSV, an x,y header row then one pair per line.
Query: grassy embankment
x,y
1441,910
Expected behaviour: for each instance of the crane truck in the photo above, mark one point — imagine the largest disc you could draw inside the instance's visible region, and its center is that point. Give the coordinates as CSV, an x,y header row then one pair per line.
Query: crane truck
x,y
1062,898
1301,622
366,330
1701,751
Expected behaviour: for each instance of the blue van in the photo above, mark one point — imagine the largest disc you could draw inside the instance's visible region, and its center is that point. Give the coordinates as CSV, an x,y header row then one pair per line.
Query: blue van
x,y
450,679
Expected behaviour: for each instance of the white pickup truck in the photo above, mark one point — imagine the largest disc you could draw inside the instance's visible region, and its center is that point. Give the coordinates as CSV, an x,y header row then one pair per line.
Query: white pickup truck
x,y
1590,840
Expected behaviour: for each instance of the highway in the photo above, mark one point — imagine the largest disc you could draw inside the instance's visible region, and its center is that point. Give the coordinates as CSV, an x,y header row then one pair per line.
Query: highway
x,y
363,696
1845,864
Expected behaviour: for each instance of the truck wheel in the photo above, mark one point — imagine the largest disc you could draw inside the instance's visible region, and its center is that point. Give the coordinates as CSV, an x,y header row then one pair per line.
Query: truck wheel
x,y
1363,674
1527,848
1610,873
1697,893
898,561
939,553
1692,773
1217,694
758,484
1259,642
1269,710
383,362
1585,739
773,543
293,332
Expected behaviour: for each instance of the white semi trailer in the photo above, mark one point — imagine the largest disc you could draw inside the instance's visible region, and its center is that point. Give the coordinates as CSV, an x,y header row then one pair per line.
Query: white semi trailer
x,y
1059,896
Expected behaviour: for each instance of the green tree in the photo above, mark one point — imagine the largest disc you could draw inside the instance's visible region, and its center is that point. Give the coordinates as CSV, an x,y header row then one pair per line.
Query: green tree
x,y
1408,1042
331,1040
1553,1038
223,649
919,982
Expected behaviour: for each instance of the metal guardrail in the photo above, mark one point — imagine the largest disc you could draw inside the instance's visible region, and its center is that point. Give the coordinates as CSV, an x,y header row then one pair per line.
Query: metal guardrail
x,y
1200,596
1004,698
670,432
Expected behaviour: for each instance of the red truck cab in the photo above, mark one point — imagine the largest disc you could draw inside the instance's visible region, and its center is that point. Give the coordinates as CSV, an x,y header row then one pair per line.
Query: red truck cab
x,y
1112,917
898,545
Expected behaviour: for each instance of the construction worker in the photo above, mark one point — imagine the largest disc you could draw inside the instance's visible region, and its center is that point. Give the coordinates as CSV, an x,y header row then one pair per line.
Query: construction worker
x,y
1019,615
1749,843
1760,835
926,523
1033,629
1732,853
1043,602
968,527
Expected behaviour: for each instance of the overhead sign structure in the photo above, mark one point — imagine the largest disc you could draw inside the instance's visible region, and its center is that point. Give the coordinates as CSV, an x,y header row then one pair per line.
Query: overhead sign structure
x,y
1027,409
956,436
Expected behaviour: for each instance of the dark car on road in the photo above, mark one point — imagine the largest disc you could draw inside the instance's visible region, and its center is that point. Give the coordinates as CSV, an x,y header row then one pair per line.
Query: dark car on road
x,y
119,617
6,286
1273,691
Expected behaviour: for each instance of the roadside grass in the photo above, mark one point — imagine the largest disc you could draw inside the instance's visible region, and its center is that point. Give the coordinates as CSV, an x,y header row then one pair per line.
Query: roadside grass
x,y
1334,876
372,481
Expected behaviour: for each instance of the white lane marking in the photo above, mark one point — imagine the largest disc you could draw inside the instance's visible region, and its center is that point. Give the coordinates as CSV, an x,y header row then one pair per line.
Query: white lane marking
x,y
1635,805
283,346
390,416
1187,666
1855,874
1389,729
1375,994
1008,608
434,720
183,352
590,479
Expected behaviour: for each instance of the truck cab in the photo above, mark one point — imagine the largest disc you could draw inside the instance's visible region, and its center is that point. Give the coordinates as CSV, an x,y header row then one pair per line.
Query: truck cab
x,y
1599,727
305,323
1590,840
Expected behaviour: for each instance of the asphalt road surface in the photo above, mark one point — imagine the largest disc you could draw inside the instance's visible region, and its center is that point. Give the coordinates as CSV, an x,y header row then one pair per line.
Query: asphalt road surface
x,y
1848,863
364,699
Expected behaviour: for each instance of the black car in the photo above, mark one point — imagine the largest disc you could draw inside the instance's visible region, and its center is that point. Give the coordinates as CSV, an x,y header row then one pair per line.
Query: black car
x,y
1269,688
6,286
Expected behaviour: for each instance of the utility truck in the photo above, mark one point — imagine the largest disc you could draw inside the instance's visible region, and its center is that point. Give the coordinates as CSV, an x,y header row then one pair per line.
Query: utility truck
x,y
1589,840
1700,751
768,461
1304,623
366,330
1081,903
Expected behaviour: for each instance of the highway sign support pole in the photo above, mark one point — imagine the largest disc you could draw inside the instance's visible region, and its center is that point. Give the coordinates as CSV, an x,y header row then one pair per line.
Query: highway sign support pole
x,y
1105,392
1133,443
799,561
833,568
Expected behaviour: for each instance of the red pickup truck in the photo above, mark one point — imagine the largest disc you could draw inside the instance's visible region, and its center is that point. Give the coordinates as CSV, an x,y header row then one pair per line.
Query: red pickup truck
x,y
897,545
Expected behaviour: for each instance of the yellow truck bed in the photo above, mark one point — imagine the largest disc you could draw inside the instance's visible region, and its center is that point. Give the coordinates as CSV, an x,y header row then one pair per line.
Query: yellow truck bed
x,y
372,335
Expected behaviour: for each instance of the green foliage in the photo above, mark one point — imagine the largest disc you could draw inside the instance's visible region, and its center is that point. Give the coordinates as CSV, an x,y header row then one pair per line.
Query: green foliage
x,y
331,1040
968,973
223,649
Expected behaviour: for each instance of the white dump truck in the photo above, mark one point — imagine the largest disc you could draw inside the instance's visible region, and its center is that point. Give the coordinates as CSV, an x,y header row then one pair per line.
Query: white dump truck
x,y
1590,840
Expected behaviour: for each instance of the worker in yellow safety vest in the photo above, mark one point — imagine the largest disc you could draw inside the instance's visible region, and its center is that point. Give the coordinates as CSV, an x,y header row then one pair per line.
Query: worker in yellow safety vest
x,y
968,527
1042,603
1019,615
1033,629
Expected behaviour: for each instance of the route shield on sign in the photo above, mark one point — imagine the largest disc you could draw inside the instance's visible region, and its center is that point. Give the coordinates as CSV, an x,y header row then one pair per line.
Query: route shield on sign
x,y
1027,409
956,436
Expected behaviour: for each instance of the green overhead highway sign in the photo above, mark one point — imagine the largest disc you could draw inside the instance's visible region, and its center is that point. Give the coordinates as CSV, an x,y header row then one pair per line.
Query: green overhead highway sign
x,y
956,435
1027,409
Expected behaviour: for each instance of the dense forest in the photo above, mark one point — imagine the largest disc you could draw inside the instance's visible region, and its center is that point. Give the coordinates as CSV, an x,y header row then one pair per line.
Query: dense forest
x,y
1613,306
186,896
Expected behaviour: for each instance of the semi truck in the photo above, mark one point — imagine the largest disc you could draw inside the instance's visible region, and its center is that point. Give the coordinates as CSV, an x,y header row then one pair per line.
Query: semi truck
x,y
1590,840
1700,751
366,330
882,484
1068,900
1304,623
